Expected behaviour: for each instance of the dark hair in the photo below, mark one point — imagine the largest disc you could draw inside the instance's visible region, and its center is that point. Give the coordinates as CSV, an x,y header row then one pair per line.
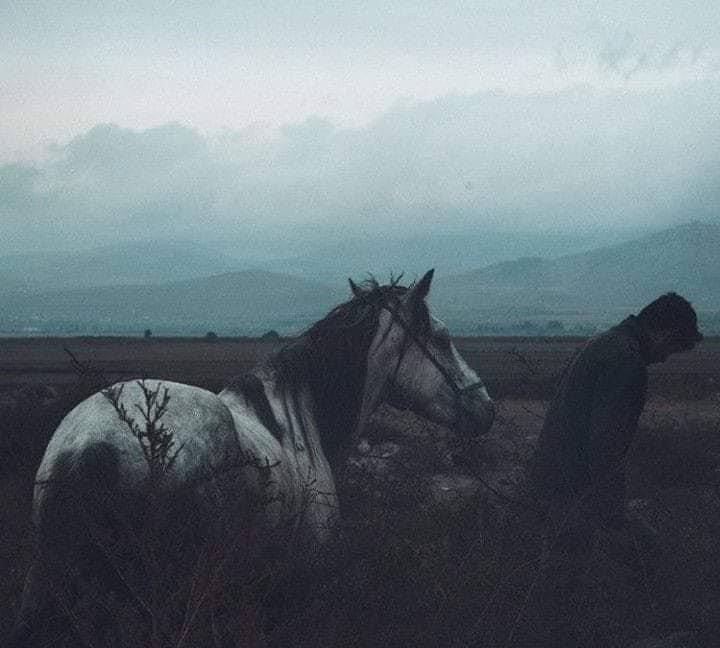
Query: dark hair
x,y
671,312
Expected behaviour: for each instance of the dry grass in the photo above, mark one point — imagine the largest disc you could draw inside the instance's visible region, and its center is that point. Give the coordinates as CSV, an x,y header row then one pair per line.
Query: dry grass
x,y
406,572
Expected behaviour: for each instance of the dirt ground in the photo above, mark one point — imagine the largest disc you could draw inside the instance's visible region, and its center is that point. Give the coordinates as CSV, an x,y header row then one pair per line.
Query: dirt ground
x,y
519,367
674,471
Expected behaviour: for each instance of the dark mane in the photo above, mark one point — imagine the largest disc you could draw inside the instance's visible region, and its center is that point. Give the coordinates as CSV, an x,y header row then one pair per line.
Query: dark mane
x,y
344,334
330,358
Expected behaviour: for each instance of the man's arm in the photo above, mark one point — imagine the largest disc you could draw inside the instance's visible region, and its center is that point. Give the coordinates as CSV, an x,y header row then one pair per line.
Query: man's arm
x,y
618,400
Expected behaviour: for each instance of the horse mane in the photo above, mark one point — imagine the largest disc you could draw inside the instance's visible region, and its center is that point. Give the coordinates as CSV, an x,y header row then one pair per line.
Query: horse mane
x,y
341,339
330,358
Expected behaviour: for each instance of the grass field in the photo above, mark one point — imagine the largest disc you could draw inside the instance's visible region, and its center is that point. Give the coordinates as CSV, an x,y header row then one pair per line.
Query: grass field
x,y
413,574
509,366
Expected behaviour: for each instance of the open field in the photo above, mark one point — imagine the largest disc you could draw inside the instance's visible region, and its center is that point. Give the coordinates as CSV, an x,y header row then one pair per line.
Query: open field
x,y
510,366
417,575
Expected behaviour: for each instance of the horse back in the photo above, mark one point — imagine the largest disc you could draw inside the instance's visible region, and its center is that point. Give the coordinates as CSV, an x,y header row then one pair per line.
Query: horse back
x,y
105,518
102,433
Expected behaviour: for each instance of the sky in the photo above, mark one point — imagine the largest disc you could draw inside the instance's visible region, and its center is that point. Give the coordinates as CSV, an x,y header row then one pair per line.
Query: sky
x,y
225,119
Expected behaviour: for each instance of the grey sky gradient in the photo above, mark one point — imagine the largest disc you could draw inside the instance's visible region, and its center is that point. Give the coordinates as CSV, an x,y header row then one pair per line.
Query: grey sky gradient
x,y
127,120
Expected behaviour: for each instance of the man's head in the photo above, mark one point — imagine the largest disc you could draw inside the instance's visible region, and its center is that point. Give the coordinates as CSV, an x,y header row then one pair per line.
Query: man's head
x,y
671,324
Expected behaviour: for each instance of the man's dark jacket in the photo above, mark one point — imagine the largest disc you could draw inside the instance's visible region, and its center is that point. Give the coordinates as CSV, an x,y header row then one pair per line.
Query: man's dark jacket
x,y
592,419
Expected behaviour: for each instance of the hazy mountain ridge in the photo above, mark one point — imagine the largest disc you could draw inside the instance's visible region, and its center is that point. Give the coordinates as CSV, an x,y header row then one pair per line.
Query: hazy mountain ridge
x,y
597,284
414,252
322,254
581,291
244,302
139,262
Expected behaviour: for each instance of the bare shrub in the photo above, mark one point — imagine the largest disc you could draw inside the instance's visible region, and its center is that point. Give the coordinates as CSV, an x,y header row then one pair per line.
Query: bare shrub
x,y
154,438
171,565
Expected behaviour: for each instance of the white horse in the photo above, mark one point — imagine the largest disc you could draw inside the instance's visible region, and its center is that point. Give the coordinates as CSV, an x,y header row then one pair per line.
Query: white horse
x,y
283,432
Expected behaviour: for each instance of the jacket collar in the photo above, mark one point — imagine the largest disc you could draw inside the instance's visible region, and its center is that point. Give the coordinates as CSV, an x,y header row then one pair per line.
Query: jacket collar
x,y
632,327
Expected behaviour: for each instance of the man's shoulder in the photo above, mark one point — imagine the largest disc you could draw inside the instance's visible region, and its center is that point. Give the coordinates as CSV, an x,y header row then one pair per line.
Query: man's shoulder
x,y
621,338
617,345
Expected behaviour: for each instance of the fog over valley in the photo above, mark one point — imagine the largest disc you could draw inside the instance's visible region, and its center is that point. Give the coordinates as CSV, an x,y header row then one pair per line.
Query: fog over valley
x,y
187,289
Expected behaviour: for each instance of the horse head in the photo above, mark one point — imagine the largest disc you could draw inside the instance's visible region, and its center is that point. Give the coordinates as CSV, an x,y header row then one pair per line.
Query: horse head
x,y
413,363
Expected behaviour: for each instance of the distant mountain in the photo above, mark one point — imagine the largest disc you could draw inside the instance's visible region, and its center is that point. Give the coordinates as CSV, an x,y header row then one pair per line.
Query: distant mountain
x,y
142,262
317,255
237,303
599,284
531,294
415,252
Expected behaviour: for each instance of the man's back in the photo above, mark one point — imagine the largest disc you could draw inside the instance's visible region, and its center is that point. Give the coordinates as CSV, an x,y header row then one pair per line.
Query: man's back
x,y
593,415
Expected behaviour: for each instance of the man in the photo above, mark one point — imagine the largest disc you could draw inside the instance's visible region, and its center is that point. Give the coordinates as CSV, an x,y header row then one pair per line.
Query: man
x,y
594,413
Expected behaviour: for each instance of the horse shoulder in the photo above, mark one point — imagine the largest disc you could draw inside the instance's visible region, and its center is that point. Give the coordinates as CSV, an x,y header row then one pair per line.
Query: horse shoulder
x,y
255,434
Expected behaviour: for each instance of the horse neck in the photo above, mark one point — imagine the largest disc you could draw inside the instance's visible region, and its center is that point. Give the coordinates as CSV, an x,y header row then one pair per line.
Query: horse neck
x,y
334,387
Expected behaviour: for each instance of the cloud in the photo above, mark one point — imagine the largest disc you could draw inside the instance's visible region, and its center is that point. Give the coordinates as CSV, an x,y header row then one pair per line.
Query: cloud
x,y
613,57
575,159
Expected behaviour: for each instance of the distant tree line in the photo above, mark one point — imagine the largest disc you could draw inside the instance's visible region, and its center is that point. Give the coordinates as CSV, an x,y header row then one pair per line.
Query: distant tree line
x,y
709,322
551,328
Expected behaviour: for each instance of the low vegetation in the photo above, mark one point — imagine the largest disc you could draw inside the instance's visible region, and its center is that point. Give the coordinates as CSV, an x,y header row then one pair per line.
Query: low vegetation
x,y
415,566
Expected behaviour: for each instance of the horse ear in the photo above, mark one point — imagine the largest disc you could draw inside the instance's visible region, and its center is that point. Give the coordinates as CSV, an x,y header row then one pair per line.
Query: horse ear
x,y
356,290
422,288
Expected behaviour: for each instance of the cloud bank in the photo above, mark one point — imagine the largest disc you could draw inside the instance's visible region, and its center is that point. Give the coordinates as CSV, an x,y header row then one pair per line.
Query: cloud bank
x,y
576,159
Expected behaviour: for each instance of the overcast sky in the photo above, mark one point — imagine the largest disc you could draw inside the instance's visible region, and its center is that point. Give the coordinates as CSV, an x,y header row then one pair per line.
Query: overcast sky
x,y
127,120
